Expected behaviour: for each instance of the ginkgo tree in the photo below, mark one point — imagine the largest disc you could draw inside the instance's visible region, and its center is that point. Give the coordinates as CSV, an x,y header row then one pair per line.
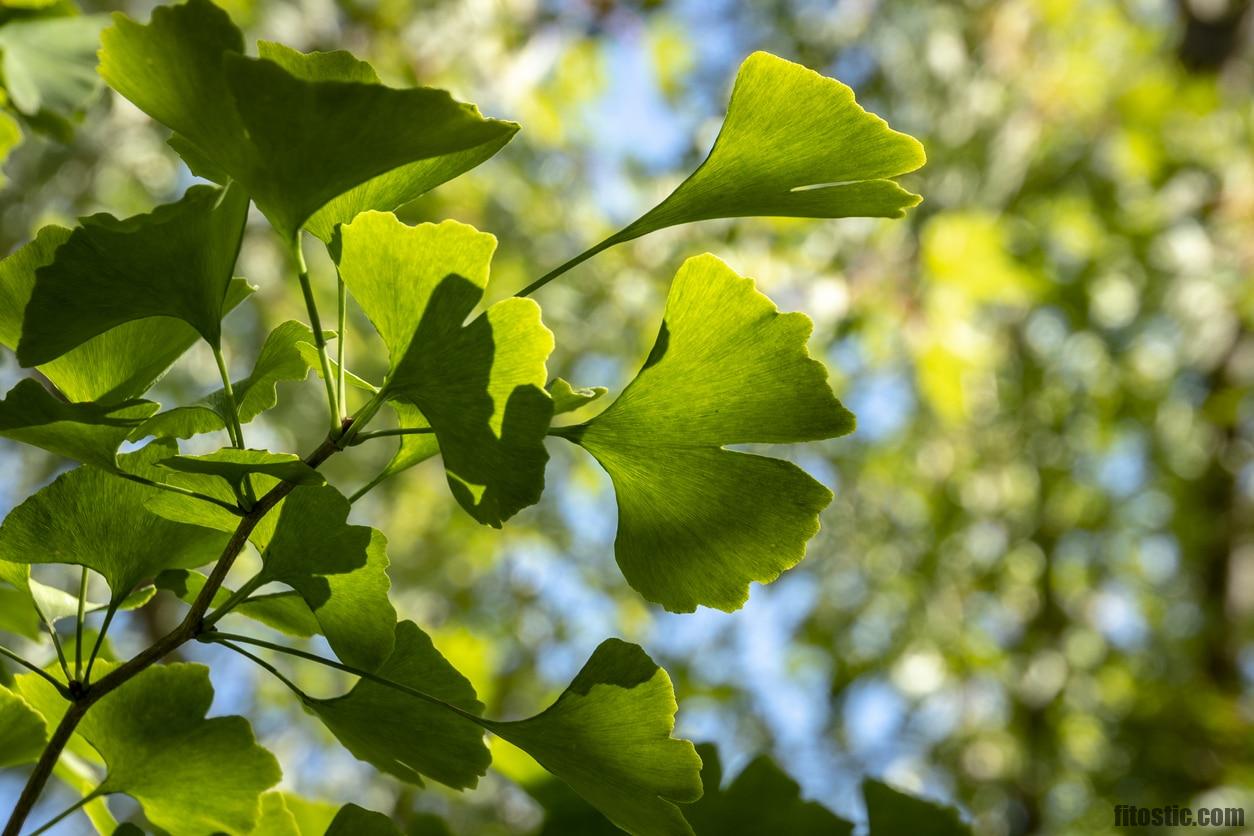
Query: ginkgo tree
x,y
319,145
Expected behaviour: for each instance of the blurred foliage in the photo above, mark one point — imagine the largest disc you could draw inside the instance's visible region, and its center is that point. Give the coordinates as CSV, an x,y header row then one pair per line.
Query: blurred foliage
x,y
1034,594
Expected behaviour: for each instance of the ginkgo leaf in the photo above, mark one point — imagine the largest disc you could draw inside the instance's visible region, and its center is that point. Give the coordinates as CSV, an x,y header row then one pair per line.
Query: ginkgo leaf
x,y
405,736
92,518
697,523
116,366
285,611
567,398
280,359
50,63
481,385
175,261
274,819
24,601
190,774
235,466
312,817
339,569
761,799
894,813
352,820
414,449
86,432
23,732
297,131
608,736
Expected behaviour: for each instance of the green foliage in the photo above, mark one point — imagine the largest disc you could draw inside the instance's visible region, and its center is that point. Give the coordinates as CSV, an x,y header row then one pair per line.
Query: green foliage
x,y
317,142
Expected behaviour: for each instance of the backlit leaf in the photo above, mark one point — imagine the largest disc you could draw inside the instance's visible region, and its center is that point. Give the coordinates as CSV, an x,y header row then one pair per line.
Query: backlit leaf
x,y
285,611
188,773
50,63
86,432
481,385
697,523
118,365
92,518
22,730
235,466
567,398
175,261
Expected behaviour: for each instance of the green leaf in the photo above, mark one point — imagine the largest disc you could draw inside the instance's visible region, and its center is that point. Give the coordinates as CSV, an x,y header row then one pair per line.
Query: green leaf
x,y
402,735
235,466
608,737
23,600
413,449
22,730
280,359
894,813
286,612
50,63
762,799
118,365
794,144
567,398
352,820
86,432
175,261
10,139
340,570
274,819
697,523
481,386
188,773
92,518
297,131
312,817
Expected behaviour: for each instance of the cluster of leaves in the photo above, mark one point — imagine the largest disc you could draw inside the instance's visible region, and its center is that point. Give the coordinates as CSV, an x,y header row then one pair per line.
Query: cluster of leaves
x,y
317,143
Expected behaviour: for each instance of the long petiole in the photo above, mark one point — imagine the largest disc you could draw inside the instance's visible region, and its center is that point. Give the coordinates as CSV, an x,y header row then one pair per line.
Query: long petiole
x,y
320,340
31,666
342,316
233,425
363,417
225,638
221,503
78,626
82,802
104,628
263,663
56,642
572,263
360,437
237,598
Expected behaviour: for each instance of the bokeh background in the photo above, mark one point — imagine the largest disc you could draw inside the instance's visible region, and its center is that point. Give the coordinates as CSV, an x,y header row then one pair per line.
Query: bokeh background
x,y
1034,594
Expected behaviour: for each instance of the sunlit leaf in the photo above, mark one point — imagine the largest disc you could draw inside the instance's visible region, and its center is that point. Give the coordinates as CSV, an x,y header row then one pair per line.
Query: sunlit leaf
x,y
188,773
567,398
285,611
894,813
235,466
23,600
405,736
23,732
118,365
481,385
50,63
697,523
297,131
608,737
86,432
280,359
92,518
175,261
761,799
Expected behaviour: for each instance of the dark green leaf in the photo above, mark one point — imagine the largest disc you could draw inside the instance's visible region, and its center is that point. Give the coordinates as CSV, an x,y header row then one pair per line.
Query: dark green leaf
x,y
175,261
697,523
286,612
481,386
116,366
352,820
405,736
235,466
894,813
86,432
762,799
608,737
95,519
280,359
190,774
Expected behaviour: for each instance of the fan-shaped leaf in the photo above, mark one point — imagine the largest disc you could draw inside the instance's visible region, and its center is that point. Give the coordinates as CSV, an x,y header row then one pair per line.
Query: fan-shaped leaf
x,y
175,261
86,432
22,730
697,522
235,466
286,611
894,813
481,386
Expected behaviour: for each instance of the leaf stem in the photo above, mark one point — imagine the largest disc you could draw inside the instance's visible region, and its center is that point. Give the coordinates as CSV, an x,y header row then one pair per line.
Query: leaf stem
x,y
31,666
78,625
104,628
82,802
237,598
572,263
360,437
232,425
341,389
152,483
226,638
363,416
56,642
263,663
320,340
